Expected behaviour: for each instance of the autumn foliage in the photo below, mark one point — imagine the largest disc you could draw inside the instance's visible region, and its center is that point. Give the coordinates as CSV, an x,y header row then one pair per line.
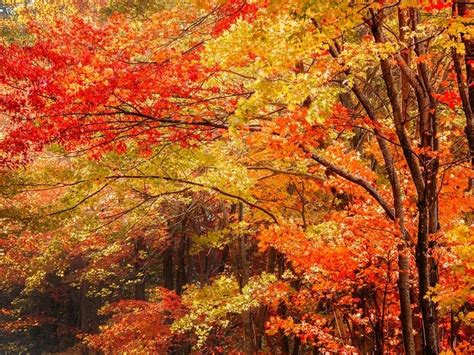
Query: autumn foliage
x,y
285,177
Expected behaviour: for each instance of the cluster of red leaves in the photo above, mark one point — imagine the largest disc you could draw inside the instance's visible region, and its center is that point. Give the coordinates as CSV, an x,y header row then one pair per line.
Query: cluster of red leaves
x,y
344,274
436,5
139,325
309,326
18,251
232,11
81,84
305,254
284,135
341,120
314,330
450,98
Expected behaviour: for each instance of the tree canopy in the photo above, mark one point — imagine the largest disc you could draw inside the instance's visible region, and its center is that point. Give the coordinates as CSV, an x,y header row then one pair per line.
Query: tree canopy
x,y
237,176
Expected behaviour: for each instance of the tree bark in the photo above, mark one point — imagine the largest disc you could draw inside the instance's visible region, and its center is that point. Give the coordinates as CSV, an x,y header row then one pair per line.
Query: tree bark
x,y
467,95
84,308
168,277
241,270
180,264
139,286
424,282
424,180
406,317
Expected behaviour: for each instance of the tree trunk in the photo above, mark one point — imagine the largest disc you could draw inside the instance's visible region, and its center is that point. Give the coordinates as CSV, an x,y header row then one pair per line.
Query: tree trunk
x,y
427,205
181,264
428,309
467,96
398,118
241,270
405,300
139,286
84,309
168,278
139,290
423,179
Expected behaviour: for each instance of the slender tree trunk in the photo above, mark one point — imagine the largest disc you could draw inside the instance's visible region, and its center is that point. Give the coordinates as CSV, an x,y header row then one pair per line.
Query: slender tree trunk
x,y
242,270
84,309
405,301
424,180
85,313
223,261
296,346
139,290
467,95
404,250
259,326
140,284
181,264
168,277
406,317
424,281
429,201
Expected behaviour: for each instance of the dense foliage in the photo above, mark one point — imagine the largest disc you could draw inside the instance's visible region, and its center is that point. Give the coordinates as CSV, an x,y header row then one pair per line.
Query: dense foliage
x,y
239,176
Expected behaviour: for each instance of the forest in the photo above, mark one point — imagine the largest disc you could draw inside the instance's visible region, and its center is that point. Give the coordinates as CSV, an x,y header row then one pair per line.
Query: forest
x,y
237,177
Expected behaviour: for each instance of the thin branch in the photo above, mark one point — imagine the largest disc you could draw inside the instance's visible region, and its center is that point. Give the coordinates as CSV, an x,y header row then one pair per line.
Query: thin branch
x,y
193,183
80,202
358,181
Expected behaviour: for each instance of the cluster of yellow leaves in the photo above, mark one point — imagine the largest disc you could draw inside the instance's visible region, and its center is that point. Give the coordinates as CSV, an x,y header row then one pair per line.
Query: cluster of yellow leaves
x,y
212,307
455,293
217,239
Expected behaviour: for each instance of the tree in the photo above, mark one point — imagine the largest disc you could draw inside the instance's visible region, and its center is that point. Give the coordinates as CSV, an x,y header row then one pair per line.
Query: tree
x,y
403,58
299,173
